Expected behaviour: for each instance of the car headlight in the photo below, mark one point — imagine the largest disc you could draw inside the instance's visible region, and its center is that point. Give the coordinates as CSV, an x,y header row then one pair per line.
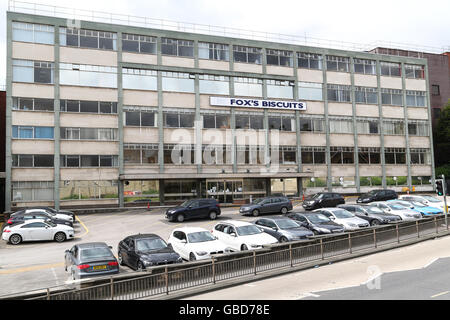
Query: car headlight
x,y
323,230
254,245
147,262
352,225
201,253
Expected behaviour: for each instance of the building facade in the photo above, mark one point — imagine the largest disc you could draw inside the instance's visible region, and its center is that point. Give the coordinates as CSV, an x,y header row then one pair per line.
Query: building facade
x,y
106,114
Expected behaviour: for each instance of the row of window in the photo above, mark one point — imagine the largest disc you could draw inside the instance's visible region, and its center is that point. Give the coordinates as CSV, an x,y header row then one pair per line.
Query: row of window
x,y
41,132
84,38
77,161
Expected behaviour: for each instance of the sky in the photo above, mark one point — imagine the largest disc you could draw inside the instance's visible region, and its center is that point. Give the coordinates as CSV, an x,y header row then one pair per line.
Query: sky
x,y
417,23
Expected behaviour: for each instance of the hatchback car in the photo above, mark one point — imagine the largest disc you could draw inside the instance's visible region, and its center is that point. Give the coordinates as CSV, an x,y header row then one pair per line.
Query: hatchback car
x,y
90,259
53,210
241,235
52,214
372,214
392,208
267,205
44,216
284,229
377,195
316,222
37,230
194,209
343,217
323,200
145,250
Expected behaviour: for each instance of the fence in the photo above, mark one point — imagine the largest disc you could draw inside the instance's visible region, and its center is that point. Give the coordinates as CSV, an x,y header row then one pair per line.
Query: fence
x,y
173,278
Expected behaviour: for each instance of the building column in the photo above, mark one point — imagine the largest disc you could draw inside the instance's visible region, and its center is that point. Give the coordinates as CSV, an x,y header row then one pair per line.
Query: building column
x,y
120,119
161,192
405,114
380,115
57,141
327,124
355,131
8,122
430,125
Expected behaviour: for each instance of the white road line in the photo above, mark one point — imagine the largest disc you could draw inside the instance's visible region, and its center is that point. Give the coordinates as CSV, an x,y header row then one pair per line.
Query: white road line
x,y
372,278
430,263
440,294
308,294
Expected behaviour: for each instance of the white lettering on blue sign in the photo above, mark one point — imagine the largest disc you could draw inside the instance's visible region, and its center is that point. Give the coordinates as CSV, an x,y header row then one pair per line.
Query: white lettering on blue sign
x,y
257,103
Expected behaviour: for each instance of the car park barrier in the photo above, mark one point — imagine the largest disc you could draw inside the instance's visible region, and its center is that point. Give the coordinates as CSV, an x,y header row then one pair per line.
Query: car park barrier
x,y
162,280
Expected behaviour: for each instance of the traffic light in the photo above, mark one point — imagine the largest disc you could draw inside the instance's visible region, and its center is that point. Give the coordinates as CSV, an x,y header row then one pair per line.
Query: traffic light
x,y
439,189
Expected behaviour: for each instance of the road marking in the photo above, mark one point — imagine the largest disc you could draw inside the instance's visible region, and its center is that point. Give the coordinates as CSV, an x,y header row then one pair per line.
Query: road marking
x,y
308,294
430,263
440,294
83,225
18,270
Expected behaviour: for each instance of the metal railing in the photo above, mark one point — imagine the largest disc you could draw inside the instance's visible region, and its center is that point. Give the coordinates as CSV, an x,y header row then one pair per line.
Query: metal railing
x,y
172,278
137,21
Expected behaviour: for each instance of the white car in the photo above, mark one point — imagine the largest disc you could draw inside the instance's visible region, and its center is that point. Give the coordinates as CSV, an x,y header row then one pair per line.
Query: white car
x,y
193,243
397,209
50,214
37,230
426,199
343,217
240,235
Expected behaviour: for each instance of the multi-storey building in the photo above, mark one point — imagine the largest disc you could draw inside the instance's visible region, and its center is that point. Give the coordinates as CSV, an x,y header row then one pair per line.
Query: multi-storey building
x,y
102,113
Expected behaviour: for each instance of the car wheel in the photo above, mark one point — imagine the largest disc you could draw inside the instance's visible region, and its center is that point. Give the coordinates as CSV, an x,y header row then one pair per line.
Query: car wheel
x,y
375,223
15,239
255,212
283,239
60,236
180,217
244,247
284,210
213,215
192,257
140,266
120,258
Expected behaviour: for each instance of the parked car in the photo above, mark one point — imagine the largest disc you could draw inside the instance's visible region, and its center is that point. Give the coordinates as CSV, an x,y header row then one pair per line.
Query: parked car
x,y
240,235
316,222
323,200
417,206
141,251
426,199
193,243
53,210
44,216
37,230
377,195
193,209
284,229
90,259
52,214
372,214
346,219
267,205
392,208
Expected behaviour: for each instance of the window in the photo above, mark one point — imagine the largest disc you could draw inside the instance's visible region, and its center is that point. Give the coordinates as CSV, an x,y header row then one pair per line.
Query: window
x,y
342,155
310,91
279,58
32,71
216,121
335,63
178,119
415,98
83,38
31,32
364,66
137,43
179,154
140,153
216,154
341,125
23,132
177,81
70,161
368,155
367,126
309,60
280,89
88,75
435,91
313,155
213,51
32,190
139,79
282,122
139,118
175,47
395,155
414,71
391,97
312,124
88,133
88,106
366,95
418,128
390,69
30,160
251,154
36,104
339,93
393,127
249,87
249,121
247,54
211,84
420,156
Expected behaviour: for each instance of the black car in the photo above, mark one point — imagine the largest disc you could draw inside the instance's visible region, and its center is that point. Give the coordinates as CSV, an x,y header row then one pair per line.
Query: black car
x,y
372,214
145,250
52,210
22,216
377,195
195,208
267,205
316,222
323,200
283,229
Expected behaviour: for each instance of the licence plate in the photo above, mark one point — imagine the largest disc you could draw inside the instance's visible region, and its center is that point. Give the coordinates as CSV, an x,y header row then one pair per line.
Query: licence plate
x,y
99,268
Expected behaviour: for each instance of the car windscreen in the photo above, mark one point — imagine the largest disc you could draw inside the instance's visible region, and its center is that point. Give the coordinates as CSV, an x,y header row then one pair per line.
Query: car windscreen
x,y
317,218
342,214
286,224
256,201
374,210
248,230
150,244
185,204
201,236
431,199
371,193
90,254
51,224
419,204
317,196
395,206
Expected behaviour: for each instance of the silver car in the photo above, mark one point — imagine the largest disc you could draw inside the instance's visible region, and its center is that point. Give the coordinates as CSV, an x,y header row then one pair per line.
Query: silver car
x,y
343,217
397,209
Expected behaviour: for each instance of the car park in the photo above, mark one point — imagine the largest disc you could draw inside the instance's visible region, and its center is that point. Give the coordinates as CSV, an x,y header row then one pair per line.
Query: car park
x,y
372,214
343,217
37,230
426,199
323,200
194,209
278,204
141,251
86,260
193,243
52,214
44,216
284,229
240,235
392,208
417,206
316,222
377,195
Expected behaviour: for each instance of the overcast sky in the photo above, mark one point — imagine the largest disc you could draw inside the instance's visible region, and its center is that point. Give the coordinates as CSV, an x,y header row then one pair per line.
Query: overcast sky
x,y
415,22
